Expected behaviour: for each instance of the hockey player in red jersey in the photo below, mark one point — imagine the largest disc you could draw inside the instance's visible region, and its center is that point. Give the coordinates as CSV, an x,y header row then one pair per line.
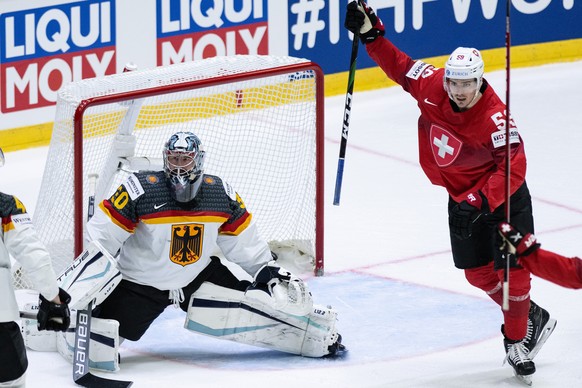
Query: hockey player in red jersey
x,y
461,137
558,269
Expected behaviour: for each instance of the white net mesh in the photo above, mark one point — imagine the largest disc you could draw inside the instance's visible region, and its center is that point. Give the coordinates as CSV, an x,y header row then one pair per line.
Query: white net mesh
x,y
259,134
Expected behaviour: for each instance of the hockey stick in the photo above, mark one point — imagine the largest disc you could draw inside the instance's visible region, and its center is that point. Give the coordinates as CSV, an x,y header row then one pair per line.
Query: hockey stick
x,y
81,374
505,305
346,123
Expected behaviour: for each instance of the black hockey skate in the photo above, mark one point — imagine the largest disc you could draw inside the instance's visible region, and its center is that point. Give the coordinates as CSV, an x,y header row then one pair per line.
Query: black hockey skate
x,y
517,355
337,349
539,328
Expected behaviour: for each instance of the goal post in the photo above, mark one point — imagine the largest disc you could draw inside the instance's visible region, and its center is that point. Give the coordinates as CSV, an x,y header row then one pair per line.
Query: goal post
x,y
260,119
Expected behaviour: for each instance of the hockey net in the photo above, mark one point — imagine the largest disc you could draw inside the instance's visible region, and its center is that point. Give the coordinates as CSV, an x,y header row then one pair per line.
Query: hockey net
x,y
260,119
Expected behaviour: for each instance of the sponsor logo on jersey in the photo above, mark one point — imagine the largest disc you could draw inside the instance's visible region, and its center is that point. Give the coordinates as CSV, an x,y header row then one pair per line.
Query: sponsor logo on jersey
x,y
133,187
498,138
186,243
427,101
445,146
416,70
229,191
21,219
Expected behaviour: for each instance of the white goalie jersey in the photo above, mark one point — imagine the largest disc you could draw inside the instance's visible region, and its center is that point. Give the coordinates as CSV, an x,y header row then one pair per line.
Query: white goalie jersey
x,y
166,244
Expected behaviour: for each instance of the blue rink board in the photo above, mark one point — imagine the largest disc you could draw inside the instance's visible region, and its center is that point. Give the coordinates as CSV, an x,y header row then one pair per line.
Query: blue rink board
x,y
379,319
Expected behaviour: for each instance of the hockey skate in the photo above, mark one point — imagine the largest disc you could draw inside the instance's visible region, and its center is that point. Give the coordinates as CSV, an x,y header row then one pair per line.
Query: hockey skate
x,y
539,328
337,349
517,356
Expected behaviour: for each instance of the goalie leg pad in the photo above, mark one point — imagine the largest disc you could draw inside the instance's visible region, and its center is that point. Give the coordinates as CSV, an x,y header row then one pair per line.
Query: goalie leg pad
x,y
229,314
91,277
103,348
41,341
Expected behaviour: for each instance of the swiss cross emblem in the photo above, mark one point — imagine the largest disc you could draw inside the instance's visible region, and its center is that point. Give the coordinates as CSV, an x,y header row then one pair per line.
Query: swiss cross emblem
x,y
445,146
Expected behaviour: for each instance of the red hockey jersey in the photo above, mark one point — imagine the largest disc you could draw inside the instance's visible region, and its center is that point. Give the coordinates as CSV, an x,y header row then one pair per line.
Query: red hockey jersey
x,y
462,151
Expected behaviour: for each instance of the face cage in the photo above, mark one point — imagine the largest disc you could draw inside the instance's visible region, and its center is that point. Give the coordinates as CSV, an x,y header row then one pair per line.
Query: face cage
x,y
184,189
184,179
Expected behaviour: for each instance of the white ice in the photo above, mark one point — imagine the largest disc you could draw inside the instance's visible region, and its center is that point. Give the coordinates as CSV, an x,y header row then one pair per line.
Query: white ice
x,y
406,314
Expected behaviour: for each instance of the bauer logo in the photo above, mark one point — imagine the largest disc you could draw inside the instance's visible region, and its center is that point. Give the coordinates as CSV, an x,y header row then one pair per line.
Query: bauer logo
x,y
44,48
190,30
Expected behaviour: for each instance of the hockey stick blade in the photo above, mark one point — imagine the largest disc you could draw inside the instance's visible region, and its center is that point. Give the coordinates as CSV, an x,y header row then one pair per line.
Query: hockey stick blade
x,y
91,381
81,374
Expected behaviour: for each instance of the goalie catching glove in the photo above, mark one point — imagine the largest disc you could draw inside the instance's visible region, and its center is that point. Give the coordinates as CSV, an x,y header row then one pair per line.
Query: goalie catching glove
x,y
53,316
281,289
361,20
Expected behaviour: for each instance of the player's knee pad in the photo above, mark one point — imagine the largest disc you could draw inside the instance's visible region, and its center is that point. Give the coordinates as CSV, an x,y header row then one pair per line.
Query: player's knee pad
x,y
483,277
230,314
103,346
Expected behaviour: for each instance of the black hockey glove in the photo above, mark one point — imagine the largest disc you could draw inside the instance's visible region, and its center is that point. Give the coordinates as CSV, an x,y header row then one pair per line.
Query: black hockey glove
x,y
361,19
53,316
516,242
463,215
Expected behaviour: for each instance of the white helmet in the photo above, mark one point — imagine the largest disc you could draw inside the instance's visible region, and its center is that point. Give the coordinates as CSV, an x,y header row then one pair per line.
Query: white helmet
x,y
465,63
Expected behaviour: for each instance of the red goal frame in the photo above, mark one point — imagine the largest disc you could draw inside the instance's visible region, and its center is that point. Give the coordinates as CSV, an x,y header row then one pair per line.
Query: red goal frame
x,y
224,79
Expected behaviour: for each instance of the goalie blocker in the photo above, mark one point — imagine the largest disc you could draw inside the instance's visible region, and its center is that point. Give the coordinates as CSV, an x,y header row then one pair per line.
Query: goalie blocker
x,y
275,312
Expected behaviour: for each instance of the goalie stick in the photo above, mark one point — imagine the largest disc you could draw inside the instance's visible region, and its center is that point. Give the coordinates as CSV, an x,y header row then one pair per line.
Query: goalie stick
x,y
81,374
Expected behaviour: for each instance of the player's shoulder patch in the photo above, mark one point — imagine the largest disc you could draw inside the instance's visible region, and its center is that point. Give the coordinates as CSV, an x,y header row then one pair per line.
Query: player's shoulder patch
x,y
133,187
498,137
21,220
416,70
229,190
209,180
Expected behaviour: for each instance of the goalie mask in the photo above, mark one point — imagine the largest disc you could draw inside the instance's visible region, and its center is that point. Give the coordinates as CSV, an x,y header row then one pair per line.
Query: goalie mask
x,y
184,165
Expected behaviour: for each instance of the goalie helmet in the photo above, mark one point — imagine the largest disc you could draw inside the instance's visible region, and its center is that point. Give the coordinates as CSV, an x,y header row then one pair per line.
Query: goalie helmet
x,y
184,165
